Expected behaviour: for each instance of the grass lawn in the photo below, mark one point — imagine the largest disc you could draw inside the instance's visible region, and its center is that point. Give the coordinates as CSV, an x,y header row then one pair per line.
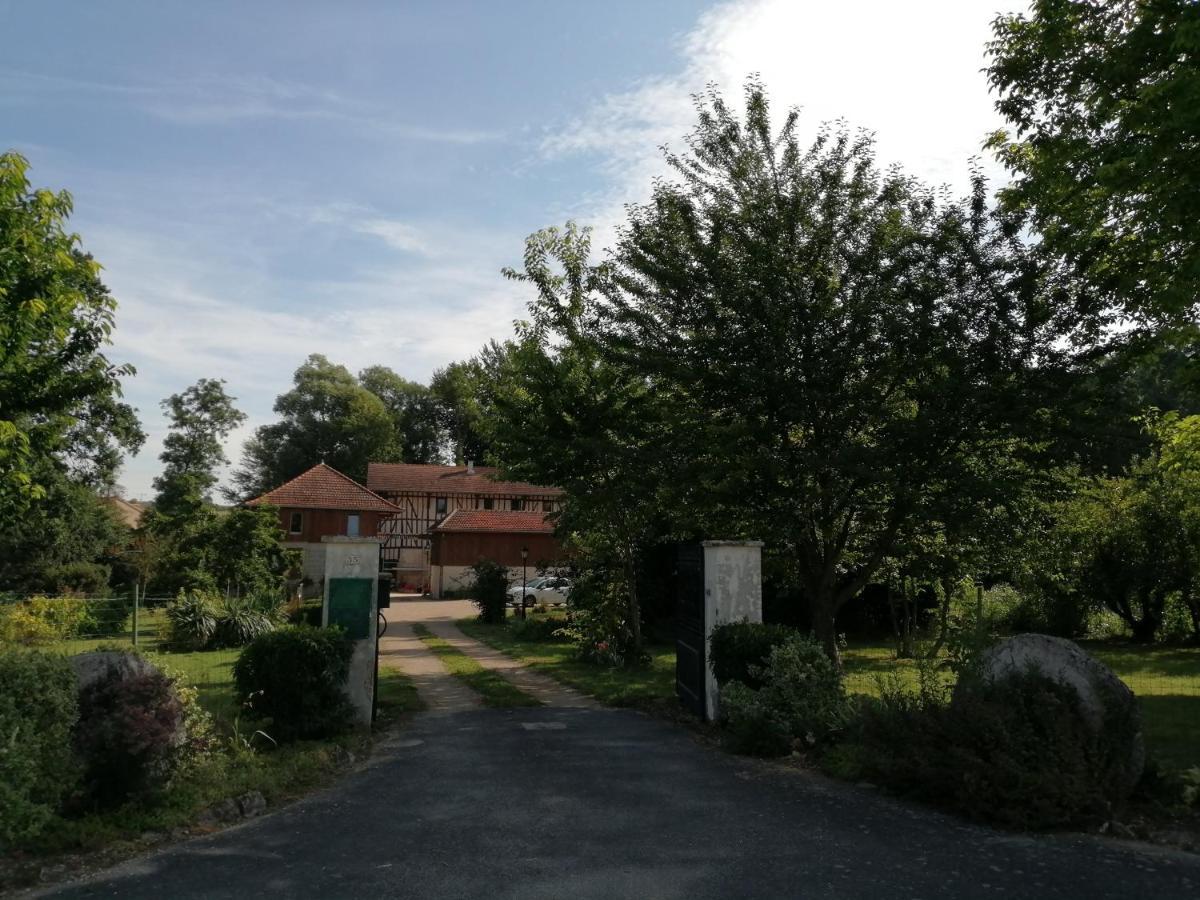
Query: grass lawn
x,y
616,687
495,690
397,695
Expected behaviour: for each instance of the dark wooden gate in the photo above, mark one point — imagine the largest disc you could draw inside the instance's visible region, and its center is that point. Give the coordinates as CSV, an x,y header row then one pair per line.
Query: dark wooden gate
x,y
690,658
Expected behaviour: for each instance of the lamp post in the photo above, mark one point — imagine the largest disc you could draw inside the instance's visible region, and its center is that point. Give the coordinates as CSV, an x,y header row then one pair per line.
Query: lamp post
x,y
524,558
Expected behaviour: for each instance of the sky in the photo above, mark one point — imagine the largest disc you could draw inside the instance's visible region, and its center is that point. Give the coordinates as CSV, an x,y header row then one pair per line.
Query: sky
x,y
262,181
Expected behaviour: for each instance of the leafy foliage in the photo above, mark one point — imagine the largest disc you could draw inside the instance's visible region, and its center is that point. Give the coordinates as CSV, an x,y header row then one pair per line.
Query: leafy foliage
x,y
201,418
327,416
738,651
37,711
59,393
490,590
128,735
242,619
1019,752
42,620
415,414
192,620
1102,96
801,701
295,677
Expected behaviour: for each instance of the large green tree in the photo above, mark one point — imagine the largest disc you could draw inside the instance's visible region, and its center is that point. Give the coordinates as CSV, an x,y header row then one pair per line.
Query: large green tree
x,y
59,392
562,413
461,390
1104,100
414,412
327,417
839,348
202,418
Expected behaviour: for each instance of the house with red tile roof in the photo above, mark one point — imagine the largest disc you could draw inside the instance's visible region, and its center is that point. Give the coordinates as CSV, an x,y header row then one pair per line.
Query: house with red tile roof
x,y
467,536
323,502
427,494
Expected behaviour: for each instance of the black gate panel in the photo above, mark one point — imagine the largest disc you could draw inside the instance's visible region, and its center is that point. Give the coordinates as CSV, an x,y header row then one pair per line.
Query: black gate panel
x,y
691,661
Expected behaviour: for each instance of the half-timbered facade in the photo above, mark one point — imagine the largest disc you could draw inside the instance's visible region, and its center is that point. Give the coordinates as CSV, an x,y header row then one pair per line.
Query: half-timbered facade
x,y
426,494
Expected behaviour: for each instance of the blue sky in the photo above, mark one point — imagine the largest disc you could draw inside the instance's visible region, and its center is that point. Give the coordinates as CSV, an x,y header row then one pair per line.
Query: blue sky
x,y
266,180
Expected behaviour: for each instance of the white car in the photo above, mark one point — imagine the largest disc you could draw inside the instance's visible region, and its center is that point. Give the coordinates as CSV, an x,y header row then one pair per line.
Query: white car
x,y
550,589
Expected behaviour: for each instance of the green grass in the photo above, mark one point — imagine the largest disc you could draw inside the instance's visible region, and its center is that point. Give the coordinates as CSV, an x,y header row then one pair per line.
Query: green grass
x,y
495,690
639,686
397,695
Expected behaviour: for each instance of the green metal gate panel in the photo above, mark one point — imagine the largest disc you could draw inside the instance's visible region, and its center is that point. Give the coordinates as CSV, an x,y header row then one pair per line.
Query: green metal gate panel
x,y
351,602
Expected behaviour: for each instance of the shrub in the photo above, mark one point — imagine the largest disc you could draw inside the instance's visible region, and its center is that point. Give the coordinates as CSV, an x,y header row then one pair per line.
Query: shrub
x,y
801,700
307,613
1019,753
106,616
191,620
490,591
296,677
738,648
242,619
79,577
536,628
129,734
42,620
37,711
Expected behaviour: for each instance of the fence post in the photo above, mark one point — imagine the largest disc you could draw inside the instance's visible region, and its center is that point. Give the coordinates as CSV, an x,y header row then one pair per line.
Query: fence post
x,y
135,614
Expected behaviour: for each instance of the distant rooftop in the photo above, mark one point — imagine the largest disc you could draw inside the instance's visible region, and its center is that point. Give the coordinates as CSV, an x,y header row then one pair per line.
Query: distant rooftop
x,y
496,521
432,479
324,487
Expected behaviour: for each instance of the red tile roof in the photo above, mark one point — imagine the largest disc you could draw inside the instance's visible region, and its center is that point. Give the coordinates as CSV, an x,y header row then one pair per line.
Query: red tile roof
x,y
413,478
496,521
324,487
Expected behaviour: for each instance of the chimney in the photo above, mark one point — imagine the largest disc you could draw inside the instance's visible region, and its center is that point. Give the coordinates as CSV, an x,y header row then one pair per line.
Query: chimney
x,y
470,467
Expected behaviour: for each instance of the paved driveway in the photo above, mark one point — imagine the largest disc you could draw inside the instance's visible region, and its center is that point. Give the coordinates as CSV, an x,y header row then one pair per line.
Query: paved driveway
x,y
564,803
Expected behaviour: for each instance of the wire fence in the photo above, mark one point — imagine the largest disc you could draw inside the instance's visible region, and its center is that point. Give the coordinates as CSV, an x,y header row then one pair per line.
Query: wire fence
x,y
126,619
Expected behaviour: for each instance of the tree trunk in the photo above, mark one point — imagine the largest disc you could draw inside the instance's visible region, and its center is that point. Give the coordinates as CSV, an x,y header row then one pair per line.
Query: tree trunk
x,y
943,616
1144,629
635,605
824,615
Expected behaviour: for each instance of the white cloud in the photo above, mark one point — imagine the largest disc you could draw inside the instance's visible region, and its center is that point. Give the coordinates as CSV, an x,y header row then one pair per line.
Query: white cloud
x,y
910,72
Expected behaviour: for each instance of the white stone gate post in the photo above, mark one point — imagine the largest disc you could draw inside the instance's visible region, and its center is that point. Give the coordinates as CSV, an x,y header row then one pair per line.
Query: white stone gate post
x,y
732,593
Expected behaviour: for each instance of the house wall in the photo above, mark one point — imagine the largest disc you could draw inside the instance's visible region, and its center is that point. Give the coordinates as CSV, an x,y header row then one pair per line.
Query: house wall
x,y
319,523
451,548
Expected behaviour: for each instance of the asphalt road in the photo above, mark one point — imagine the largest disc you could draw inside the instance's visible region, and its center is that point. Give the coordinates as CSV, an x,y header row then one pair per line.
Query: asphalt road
x,y
548,803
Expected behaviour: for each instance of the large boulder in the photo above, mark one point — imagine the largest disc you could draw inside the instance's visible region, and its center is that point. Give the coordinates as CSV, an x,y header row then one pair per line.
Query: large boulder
x,y
1104,698
97,664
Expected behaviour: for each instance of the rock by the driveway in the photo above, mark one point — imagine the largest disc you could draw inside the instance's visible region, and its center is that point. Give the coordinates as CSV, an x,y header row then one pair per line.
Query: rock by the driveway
x,y
1103,697
251,804
221,813
97,664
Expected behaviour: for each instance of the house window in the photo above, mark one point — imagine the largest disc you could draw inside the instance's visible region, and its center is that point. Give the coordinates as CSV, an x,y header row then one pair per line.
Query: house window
x,y
296,523
352,526
547,506
440,506
517,504
488,503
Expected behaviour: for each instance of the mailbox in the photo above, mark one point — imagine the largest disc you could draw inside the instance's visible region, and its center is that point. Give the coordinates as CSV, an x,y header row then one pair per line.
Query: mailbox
x,y
383,596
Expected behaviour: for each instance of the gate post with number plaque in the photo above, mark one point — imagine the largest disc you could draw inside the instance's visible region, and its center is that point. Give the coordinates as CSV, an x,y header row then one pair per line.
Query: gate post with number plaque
x,y
351,588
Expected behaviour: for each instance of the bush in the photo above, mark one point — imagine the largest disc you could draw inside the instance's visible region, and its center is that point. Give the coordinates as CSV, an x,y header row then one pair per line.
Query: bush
x,y
739,648
37,711
1020,753
42,620
307,613
296,677
242,619
106,616
536,628
129,734
801,701
490,591
79,578
191,620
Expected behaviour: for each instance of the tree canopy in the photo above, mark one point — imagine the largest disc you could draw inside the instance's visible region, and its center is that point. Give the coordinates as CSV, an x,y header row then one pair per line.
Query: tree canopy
x,y
59,392
1104,98
202,417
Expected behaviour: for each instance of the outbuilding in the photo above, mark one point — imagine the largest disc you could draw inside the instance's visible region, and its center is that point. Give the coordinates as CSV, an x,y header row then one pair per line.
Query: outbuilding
x,y
513,538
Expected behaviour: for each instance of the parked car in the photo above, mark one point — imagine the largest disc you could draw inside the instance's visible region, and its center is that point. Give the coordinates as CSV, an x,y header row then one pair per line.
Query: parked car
x,y
551,589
